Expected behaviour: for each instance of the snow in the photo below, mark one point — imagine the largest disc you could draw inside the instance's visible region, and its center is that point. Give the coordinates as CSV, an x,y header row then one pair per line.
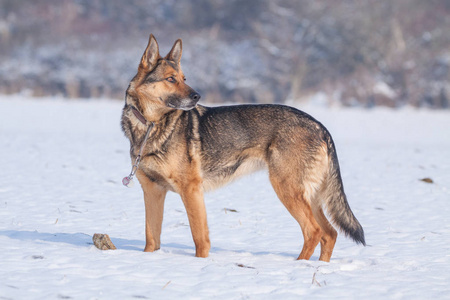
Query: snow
x,y
61,168
384,89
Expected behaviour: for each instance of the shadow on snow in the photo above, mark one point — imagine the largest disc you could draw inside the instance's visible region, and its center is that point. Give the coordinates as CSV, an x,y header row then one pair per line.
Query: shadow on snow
x,y
85,240
76,239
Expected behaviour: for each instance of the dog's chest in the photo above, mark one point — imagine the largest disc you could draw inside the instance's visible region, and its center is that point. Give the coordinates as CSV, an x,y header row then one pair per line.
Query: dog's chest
x,y
165,168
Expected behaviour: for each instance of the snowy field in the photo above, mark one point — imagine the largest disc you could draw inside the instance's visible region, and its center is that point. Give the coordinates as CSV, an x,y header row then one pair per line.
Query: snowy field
x,y
61,166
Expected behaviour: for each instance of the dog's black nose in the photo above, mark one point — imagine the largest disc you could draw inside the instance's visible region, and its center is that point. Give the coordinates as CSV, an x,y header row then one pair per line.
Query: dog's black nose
x,y
195,96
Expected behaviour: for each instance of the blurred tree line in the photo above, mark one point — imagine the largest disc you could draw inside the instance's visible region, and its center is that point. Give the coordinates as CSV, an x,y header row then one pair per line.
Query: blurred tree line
x,y
353,52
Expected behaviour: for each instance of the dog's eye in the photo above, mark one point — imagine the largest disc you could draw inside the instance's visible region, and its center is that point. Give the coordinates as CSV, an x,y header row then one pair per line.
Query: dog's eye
x,y
184,78
171,79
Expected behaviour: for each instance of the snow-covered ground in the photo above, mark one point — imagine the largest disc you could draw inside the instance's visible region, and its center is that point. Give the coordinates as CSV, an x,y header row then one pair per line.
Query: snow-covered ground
x,y
61,163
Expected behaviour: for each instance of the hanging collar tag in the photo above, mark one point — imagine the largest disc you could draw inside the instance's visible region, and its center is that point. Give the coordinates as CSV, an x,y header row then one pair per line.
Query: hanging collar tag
x,y
128,180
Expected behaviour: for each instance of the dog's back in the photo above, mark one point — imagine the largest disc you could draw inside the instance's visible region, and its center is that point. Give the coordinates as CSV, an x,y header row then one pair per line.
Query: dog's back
x,y
241,138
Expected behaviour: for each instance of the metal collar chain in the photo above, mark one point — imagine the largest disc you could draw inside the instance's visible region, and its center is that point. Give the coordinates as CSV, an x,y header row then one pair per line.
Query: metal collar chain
x,y
128,180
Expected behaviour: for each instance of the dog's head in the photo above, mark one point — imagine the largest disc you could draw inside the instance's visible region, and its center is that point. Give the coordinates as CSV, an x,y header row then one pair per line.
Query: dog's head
x,y
160,82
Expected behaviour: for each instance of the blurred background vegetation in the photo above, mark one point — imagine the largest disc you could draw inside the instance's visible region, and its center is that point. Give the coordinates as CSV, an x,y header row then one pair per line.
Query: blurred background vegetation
x,y
350,52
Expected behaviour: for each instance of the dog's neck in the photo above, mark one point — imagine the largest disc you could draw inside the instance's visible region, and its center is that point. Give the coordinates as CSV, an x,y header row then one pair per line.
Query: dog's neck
x,y
138,115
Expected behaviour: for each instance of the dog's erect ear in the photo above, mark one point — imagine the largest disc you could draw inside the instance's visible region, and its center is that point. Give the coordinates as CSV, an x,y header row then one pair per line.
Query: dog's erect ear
x,y
151,54
175,53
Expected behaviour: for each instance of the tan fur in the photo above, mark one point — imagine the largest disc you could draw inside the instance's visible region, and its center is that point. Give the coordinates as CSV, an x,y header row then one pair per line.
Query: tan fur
x,y
154,208
251,165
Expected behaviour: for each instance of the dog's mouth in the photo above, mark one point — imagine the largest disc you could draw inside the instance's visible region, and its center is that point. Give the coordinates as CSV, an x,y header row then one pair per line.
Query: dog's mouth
x,y
184,104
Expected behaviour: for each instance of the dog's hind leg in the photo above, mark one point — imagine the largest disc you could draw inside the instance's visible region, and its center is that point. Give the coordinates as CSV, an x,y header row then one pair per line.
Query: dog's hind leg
x,y
293,199
154,197
329,235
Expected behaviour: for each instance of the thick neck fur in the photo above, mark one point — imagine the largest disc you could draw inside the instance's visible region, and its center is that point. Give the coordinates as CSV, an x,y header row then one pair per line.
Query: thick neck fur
x,y
152,112
135,130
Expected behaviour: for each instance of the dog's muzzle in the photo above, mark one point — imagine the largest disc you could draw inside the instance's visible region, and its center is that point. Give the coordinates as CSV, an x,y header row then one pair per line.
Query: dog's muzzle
x,y
184,103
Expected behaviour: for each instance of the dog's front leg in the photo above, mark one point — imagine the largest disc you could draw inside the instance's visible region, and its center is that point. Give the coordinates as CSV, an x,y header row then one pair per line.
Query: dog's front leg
x,y
192,196
154,197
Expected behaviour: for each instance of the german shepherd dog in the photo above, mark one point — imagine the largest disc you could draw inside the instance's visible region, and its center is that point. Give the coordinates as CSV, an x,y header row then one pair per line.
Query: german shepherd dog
x,y
188,149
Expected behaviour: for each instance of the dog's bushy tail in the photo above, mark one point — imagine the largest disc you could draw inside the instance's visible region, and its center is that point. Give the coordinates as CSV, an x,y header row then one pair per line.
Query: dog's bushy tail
x,y
335,200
